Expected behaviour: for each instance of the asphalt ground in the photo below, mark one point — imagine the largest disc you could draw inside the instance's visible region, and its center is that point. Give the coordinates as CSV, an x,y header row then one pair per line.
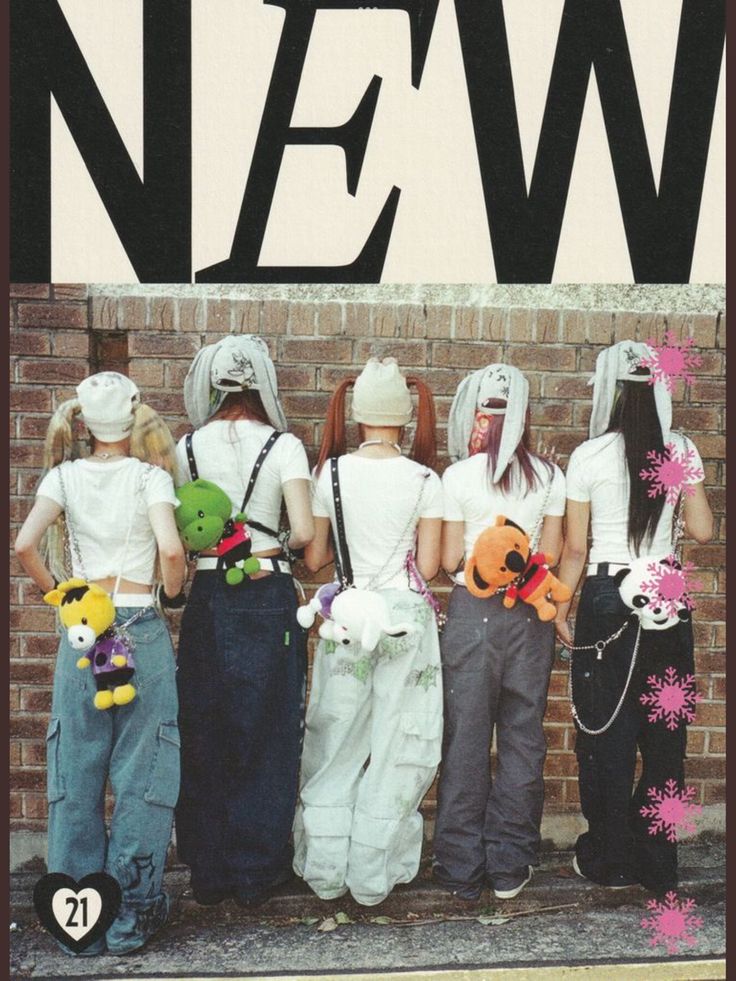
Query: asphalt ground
x,y
561,926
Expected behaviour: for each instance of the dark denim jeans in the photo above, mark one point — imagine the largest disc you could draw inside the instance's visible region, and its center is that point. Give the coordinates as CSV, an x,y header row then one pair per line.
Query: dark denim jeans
x,y
137,747
242,681
618,839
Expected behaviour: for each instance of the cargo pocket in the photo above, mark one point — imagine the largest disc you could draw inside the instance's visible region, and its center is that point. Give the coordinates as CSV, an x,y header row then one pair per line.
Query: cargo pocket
x,y
163,781
55,789
421,739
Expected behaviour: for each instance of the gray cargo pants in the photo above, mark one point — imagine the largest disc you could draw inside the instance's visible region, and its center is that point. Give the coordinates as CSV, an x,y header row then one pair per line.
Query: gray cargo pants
x,y
496,666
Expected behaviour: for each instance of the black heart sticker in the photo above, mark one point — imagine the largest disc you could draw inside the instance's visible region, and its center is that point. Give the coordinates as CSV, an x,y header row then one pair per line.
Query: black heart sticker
x,y
77,913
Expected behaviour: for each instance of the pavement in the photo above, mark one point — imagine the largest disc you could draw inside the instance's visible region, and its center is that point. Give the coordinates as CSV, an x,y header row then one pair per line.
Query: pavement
x,y
560,927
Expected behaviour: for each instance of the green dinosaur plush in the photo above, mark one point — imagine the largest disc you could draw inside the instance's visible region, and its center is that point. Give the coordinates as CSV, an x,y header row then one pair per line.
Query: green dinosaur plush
x,y
204,522
202,513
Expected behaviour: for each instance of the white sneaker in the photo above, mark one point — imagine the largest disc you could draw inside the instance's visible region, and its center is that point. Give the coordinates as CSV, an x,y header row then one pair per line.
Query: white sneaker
x,y
512,893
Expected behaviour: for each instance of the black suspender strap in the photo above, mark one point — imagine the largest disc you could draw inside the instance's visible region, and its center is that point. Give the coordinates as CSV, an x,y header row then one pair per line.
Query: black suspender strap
x,y
343,566
193,472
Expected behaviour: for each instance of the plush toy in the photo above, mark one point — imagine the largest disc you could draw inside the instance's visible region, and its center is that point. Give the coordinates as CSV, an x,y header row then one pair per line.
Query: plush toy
x,y
203,519
501,557
88,613
351,616
636,593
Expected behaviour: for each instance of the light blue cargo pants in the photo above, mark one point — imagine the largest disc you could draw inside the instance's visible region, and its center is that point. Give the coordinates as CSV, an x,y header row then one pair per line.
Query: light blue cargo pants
x,y
137,747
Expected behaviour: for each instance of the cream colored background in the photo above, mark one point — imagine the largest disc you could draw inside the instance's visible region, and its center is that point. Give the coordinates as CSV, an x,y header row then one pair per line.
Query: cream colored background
x,y
421,140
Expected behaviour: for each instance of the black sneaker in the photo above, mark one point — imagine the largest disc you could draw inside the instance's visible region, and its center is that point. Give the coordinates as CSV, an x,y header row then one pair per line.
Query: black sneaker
x,y
512,885
210,897
613,880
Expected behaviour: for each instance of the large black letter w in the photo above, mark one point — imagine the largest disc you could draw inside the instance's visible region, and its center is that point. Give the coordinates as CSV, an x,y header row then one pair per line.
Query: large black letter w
x,y
660,227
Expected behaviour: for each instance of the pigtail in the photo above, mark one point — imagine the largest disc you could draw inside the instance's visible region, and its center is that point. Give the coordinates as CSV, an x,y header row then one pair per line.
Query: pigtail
x,y
424,447
60,445
151,440
334,440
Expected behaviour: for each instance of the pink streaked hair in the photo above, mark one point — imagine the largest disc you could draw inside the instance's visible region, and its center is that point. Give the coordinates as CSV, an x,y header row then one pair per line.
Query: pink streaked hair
x,y
524,454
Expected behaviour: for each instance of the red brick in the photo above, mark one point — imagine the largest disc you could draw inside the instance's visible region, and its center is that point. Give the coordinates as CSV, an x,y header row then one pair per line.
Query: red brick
x,y
35,806
24,342
274,316
52,315
161,313
716,742
494,324
163,345
544,358
32,291
132,312
548,326
468,322
409,354
52,371
357,319
317,351
70,291
70,344
35,700
329,319
439,321
466,355
191,314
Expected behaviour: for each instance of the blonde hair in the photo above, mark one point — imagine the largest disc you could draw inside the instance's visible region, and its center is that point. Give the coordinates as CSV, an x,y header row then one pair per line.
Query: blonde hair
x,y
150,441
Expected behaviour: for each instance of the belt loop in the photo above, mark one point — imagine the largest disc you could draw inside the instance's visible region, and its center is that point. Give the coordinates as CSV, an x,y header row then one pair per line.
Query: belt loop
x,y
603,568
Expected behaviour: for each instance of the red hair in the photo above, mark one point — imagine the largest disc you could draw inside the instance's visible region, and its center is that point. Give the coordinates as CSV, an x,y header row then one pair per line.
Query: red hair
x,y
424,447
524,454
243,405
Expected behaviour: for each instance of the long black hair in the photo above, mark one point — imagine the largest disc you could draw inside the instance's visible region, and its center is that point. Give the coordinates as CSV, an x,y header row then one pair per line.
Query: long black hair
x,y
634,415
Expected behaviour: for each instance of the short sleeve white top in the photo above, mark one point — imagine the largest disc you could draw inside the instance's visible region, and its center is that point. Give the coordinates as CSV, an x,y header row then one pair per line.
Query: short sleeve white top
x,y
470,497
101,501
597,473
226,450
382,501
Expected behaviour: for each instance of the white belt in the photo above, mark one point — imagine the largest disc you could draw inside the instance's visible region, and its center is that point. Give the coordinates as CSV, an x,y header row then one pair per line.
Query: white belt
x,y
613,568
267,564
132,599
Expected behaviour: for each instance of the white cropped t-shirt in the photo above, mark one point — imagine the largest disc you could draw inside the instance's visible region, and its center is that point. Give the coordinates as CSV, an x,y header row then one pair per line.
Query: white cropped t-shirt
x,y
99,500
471,497
225,452
381,508
597,473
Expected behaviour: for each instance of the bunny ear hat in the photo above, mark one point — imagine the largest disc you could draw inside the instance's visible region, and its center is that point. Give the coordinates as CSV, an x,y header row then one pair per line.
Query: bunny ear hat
x,y
622,362
234,364
496,381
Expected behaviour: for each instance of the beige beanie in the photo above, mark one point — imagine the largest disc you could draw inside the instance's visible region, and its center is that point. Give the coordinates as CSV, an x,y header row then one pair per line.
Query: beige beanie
x,y
381,396
108,400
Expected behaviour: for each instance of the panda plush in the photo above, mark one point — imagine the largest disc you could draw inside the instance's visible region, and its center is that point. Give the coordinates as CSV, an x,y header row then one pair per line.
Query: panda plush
x,y
652,613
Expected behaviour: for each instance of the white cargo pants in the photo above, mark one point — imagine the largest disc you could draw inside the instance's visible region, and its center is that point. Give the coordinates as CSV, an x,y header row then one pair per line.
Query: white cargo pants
x,y
371,748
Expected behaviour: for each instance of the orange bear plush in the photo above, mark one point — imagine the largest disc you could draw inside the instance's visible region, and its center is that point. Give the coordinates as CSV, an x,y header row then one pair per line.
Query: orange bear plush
x,y
501,555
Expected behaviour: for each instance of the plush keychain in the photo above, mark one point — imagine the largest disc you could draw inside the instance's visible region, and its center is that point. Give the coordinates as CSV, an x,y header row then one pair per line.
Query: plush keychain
x,y
501,557
203,519
654,612
88,613
351,615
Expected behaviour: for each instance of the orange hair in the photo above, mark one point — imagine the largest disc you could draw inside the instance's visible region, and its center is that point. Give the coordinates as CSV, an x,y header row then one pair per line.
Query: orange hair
x,y
424,447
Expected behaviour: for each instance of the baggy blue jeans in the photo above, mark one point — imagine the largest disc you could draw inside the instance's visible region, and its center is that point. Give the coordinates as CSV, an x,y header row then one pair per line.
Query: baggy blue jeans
x,y
242,681
137,747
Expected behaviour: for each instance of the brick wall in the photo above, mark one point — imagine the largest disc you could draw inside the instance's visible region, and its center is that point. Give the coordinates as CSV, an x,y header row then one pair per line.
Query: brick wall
x,y
59,334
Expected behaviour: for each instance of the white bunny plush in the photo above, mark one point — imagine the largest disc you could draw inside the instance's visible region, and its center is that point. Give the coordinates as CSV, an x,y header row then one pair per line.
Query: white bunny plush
x,y
351,616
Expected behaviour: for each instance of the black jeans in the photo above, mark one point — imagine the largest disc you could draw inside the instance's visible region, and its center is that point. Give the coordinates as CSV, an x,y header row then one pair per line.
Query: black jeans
x,y
241,681
618,839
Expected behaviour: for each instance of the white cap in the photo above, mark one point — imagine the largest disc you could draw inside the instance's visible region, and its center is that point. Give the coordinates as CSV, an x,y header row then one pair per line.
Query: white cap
x,y
107,401
381,396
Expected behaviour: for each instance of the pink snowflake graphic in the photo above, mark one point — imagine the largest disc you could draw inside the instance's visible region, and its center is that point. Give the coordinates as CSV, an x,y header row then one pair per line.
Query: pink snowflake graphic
x,y
671,360
672,473
671,698
671,584
672,923
671,810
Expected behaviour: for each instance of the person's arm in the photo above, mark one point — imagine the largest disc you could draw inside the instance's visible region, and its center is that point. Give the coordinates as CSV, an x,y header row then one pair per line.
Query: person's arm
x,y
453,545
550,541
698,515
572,563
429,532
170,548
43,514
299,510
319,550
